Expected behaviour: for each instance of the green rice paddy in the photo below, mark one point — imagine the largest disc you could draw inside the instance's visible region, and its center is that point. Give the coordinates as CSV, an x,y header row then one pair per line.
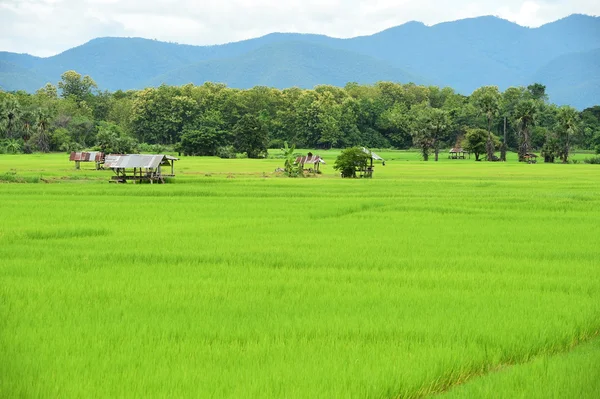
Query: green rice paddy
x,y
453,278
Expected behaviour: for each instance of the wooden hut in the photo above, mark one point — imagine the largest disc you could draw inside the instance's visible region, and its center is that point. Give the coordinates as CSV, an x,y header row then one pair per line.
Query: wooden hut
x,y
310,159
530,158
458,153
93,156
368,171
140,167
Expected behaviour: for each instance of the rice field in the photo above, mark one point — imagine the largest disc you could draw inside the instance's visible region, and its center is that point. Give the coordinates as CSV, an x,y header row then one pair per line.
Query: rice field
x,y
456,278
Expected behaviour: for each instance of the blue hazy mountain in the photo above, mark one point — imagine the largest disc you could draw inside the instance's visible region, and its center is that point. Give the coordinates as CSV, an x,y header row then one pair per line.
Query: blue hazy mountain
x,y
463,54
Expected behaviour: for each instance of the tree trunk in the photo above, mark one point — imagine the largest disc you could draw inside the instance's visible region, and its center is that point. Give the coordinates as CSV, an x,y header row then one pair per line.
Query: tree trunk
x,y
489,146
566,158
503,147
436,150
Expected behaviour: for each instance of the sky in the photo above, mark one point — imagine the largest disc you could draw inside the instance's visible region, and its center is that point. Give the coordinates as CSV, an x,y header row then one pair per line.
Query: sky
x,y
48,27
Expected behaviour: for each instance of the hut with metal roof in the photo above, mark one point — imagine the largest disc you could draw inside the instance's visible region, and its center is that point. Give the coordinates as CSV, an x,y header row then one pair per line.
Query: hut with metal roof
x,y
140,167
458,153
310,159
368,170
530,158
92,156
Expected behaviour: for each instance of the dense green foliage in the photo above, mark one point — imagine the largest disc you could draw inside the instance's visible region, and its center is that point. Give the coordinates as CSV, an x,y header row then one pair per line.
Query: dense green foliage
x,y
213,119
236,283
464,54
350,161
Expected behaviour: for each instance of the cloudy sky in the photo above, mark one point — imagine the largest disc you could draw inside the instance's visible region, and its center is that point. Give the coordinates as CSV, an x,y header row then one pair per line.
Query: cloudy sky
x,y
47,27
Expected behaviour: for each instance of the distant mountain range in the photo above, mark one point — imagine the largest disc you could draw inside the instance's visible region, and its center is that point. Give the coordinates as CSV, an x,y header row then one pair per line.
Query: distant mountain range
x,y
465,54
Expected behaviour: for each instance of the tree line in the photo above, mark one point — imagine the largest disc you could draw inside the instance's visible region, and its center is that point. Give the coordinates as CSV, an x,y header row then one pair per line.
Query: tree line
x,y
213,119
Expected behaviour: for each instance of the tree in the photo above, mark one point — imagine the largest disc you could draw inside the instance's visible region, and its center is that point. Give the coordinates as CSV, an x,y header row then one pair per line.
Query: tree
x,y
10,112
250,136
430,126
350,161
42,140
200,141
487,100
537,91
112,140
567,127
205,135
476,141
49,91
72,84
551,148
525,113
439,122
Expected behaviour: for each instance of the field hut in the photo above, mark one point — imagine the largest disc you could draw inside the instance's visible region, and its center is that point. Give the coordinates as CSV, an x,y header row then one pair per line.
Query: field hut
x,y
530,158
368,171
140,167
458,153
310,159
93,156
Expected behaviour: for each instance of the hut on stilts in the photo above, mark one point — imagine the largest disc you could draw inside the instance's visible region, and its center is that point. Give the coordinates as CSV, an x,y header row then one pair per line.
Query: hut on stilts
x,y
140,167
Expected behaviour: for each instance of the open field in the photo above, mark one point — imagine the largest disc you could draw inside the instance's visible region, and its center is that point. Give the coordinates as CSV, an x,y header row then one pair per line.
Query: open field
x,y
234,282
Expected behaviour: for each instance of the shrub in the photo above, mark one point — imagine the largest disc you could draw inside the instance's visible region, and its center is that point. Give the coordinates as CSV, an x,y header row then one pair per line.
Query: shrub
x,y
593,161
350,161
226,152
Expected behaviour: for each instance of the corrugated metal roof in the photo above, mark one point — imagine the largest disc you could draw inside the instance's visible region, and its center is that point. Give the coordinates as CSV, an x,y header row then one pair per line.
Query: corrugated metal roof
x,y
313,159
457,149
372,154
136,161
86,156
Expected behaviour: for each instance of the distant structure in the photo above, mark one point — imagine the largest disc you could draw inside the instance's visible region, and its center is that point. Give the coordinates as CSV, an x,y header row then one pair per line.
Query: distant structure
x,y
310,159
140,167
368,171
458,153
94,156
530,158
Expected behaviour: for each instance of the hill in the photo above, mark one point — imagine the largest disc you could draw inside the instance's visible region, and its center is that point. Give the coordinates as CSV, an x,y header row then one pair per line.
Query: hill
x,y
463,54
288,64
574,78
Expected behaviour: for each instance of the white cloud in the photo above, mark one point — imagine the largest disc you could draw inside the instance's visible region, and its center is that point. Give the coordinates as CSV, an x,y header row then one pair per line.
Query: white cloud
x,y
46,27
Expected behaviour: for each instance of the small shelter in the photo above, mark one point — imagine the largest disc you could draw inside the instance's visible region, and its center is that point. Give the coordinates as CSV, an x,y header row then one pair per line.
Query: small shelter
x,y
140,167
458,153
310,159
93,156
368,171
530,158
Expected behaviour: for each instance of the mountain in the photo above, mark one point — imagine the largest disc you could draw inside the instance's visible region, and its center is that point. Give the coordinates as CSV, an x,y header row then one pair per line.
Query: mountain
x,y
289,64
463,54
16,77
574,78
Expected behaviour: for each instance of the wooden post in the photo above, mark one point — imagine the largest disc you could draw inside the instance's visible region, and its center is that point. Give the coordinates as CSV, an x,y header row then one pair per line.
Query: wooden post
x,y
77,165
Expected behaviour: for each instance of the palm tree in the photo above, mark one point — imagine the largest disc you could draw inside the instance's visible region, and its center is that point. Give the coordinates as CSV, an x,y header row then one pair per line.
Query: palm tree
x,y
42,123
10,114
525,113
567,126
487,99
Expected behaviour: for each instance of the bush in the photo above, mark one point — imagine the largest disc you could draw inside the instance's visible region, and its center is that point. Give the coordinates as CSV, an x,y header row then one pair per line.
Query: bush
x,y
276,144
146,148
593,161
350,161
226,152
